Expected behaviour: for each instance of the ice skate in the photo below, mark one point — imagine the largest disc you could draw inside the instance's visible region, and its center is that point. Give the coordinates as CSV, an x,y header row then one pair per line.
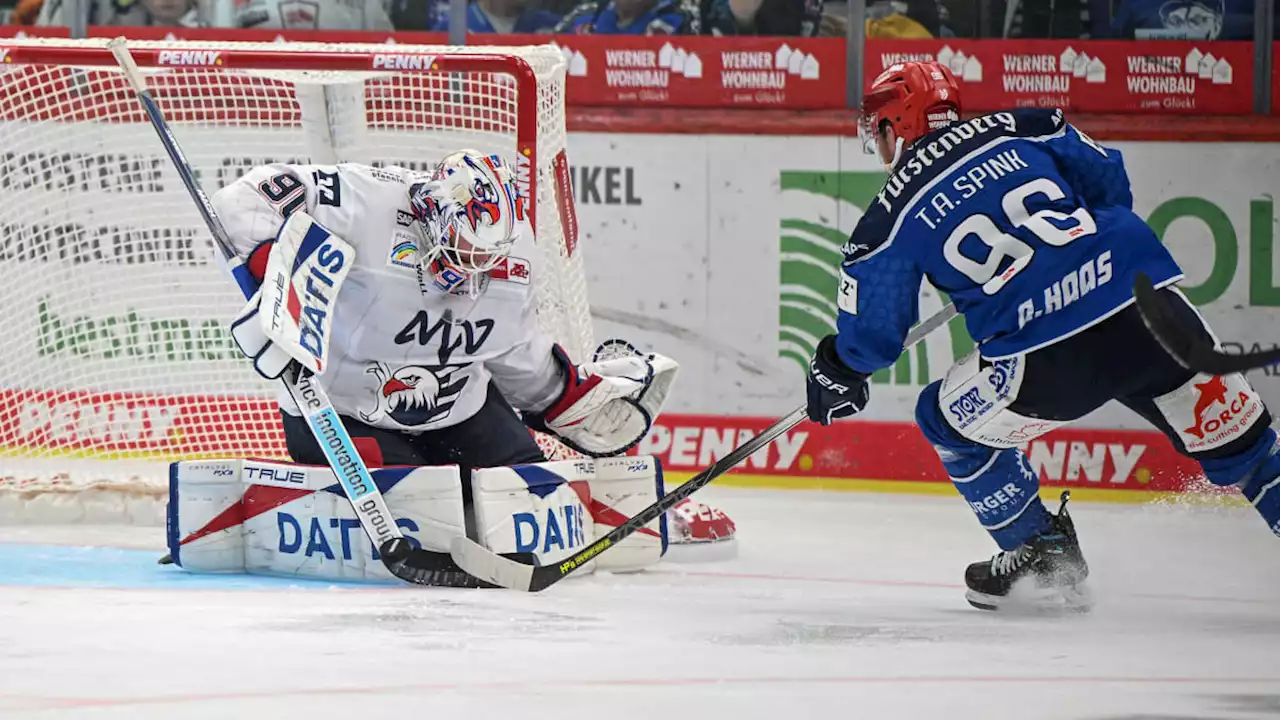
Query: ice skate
x,y
1047,573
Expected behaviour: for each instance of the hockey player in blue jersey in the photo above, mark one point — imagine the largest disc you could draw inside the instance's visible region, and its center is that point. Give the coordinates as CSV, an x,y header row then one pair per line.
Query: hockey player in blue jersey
x,y
1027,224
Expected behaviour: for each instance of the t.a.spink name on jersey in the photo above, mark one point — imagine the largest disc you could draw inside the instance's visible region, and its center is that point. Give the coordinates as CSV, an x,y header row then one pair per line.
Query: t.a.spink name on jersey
x,y
927,154
967,185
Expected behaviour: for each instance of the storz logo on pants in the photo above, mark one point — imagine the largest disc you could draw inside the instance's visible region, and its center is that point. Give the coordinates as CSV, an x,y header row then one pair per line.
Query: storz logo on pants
x,y
966,408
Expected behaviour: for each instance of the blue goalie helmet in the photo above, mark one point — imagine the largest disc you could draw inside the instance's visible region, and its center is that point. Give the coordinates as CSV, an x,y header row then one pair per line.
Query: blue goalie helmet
x,y
470,215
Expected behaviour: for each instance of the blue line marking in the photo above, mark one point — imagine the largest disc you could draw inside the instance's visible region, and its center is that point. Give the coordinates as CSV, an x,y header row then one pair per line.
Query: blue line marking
x,y
55,566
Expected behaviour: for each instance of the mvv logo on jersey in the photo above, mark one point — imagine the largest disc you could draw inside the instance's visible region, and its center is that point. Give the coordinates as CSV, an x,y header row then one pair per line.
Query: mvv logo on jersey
x,y
304,274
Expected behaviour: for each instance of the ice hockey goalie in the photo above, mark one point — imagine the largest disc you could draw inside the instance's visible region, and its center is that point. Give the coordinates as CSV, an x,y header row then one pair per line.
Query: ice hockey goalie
x,y
418,315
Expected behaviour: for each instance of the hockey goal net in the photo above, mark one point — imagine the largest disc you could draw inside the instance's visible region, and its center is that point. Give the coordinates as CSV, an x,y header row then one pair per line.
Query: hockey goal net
x,y
116,360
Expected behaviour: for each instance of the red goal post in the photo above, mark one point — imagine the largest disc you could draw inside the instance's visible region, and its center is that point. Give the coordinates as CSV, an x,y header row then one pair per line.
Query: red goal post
x,y
117,360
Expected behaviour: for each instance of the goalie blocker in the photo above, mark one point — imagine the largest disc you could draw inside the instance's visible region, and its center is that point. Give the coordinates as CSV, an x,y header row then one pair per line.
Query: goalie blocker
x,y
285,519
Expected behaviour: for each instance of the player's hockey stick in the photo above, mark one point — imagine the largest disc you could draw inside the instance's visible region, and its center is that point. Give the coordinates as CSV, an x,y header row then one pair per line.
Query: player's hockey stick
x,y
1192,350
428,568
483,563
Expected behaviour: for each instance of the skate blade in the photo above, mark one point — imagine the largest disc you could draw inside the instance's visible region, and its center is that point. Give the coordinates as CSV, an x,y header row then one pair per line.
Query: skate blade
x,y
1025,599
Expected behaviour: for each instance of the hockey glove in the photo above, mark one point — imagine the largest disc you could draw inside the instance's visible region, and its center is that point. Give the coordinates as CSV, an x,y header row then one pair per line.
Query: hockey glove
x,y
269,359
834,389
291,316
609,404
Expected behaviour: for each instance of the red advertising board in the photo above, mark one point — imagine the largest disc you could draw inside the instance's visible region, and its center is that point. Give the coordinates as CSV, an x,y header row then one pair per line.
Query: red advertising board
x,y
138,424
1178,77
104,425
1091,76
1275,78
626,70
862,450
691,71
32,31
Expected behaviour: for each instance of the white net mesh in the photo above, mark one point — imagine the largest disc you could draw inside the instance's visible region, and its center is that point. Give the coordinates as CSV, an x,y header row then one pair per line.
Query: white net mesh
x,y
115,358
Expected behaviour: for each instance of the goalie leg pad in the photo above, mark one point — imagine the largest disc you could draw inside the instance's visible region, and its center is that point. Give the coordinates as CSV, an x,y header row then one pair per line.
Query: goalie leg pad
x,y
539,508
623,487
555,509
294,520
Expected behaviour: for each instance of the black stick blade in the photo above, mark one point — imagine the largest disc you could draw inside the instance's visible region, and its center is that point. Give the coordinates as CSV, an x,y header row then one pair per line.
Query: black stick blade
x,y
1192,350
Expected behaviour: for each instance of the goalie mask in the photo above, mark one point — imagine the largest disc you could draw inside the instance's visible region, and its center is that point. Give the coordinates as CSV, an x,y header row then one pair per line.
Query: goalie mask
x,y
469,214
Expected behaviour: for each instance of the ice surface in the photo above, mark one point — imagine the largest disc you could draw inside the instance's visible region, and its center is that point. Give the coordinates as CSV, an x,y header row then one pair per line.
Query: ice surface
x,y
839,606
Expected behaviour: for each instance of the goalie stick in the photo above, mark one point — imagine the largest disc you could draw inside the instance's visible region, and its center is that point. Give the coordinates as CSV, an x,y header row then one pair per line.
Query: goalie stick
x,y
421,567
483,563
1192,350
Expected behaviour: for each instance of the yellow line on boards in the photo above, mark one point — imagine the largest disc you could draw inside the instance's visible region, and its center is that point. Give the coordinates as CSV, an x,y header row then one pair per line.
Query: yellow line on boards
x,y
1085,493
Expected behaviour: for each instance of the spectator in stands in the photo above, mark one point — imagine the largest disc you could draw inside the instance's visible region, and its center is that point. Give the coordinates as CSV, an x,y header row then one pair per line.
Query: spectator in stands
x,y
1067,19
309,15
493,16
26,12
1184,19
633,17
171,13
765,17
483,16
904,19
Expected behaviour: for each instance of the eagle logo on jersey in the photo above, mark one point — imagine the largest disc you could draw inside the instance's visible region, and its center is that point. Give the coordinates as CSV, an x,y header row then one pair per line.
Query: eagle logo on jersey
x,y
414,395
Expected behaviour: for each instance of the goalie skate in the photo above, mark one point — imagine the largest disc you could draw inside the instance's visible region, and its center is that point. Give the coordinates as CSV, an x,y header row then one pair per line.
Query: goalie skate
x,y
699,533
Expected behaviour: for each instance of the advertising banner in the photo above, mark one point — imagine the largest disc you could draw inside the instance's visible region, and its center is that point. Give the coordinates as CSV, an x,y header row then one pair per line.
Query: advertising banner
x,y
139,425
704,71
871,451
1164,77
627,70
1173,77
1275,78
720,251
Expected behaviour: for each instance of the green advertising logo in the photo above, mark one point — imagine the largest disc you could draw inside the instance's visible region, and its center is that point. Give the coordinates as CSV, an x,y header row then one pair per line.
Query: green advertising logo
x,y
132,336
819,209
1226,245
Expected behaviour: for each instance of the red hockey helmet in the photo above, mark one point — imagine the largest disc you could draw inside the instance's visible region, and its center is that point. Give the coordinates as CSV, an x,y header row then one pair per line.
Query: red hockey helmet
x,y
912,98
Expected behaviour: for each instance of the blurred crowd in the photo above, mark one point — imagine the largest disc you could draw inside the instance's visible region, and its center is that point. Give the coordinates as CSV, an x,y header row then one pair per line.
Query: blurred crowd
x,y
1099,19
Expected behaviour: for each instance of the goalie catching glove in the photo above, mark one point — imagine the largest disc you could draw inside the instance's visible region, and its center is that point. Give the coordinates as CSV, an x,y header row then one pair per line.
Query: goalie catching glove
x,y
290,316
608,404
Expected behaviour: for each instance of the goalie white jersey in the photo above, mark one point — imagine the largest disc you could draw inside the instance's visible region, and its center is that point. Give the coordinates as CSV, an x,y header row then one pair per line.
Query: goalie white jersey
x,y
399,358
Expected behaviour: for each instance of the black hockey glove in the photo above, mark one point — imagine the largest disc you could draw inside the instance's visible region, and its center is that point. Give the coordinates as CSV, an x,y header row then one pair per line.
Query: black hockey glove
x,y
834,389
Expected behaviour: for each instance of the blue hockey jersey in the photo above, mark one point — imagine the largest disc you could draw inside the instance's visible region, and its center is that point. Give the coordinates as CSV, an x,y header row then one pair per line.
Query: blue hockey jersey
x,y
1023,220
